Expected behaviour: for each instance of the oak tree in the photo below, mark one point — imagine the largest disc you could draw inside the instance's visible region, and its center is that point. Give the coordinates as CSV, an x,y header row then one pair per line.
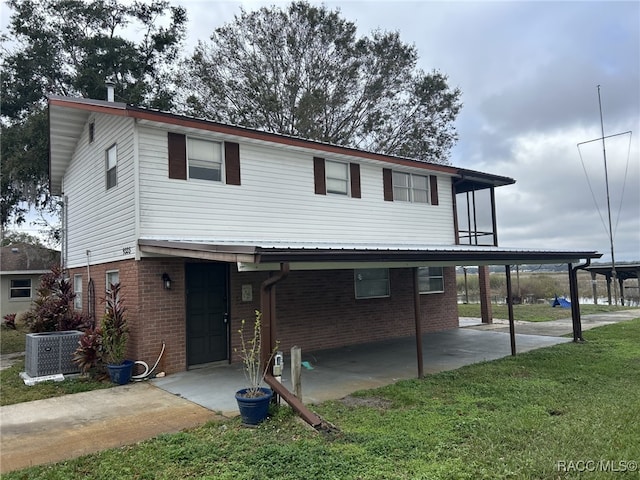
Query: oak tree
x,y
70,47
303,71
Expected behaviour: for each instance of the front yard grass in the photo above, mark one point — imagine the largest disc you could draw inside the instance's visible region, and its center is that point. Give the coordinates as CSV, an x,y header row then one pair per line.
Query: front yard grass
x,y
540,415
13,341
12,387
13,390
542,312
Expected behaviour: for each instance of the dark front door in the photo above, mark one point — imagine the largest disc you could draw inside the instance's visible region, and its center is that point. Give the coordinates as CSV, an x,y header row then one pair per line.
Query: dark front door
x,y
206,312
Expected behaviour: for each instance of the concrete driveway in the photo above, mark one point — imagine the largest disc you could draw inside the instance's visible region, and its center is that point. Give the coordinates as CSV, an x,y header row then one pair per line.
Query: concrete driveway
x,y
338,372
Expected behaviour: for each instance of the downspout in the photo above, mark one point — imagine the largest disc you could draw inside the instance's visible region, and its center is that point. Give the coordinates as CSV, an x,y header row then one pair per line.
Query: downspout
x,y
575,305
268,308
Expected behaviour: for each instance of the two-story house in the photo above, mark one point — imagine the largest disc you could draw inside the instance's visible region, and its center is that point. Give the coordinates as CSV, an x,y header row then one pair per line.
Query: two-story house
x,y
204,223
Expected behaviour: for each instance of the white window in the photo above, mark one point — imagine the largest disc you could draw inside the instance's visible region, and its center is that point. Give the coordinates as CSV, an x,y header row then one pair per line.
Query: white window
x,y
410,188
20,288
113,277
430,280
205,159
111,162
372,282
337,177
77,290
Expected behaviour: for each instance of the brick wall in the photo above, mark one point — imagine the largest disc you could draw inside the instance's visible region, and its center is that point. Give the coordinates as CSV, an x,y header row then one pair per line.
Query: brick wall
x,y
315,309
154,314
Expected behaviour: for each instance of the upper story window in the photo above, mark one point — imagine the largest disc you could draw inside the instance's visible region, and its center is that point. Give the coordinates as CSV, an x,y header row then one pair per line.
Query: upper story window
x,y
111,162
372,282
20,288
430,280
337,177
408,187
77,290
205,159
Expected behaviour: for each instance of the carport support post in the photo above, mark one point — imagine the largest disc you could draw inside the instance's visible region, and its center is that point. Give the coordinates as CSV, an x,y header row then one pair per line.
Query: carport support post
x,y
512,331
416,314
575,305
594,287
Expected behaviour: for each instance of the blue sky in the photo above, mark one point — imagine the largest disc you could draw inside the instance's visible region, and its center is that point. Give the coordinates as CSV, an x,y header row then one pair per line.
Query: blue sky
x,y
529,73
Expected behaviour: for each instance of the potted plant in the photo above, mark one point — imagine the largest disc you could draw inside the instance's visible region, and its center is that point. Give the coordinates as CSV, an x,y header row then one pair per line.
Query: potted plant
x,y
253,401
115,334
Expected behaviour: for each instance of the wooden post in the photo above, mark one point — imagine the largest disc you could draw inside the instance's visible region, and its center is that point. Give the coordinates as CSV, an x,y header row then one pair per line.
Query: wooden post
x,y
594,287
296,371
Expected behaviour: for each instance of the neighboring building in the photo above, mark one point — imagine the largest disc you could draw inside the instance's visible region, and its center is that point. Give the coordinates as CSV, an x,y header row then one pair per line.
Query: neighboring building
x,y
198,220
21,267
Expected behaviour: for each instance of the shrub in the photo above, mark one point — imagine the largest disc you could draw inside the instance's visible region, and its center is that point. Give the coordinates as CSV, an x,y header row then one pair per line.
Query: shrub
x,y
10,321
115,332
53,307
89,356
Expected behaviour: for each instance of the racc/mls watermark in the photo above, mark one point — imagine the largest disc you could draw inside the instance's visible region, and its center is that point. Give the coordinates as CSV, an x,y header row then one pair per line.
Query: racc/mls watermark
x,y
580,466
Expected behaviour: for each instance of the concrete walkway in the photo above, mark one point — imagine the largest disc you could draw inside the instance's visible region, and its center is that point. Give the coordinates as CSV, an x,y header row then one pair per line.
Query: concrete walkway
x,y
56,429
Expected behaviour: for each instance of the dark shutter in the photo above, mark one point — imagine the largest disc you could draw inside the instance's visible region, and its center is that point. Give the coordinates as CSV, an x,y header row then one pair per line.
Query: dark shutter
x,y
232,163
354,173
319,178
177,156
433,188
387,183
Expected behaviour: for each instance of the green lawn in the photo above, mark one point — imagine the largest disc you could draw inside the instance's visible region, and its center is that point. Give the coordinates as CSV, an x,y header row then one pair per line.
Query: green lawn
x,y
524,417
534,313
13,341
13,390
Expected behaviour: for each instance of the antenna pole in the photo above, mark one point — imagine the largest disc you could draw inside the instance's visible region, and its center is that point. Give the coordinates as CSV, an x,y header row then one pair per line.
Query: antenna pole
x,y
606,180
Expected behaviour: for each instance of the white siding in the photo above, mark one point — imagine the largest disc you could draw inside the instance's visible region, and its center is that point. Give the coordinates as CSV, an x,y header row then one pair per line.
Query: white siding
x,y
101,220
276,201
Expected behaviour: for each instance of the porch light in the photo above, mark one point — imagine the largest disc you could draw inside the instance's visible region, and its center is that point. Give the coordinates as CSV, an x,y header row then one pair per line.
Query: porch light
x,y
166,281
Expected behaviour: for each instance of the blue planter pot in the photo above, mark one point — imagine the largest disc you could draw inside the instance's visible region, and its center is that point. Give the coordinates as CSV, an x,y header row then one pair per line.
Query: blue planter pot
x,y
121,374
253,410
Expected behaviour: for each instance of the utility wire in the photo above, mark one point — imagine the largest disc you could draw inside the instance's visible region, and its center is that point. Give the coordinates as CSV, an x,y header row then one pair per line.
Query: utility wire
x,y
624,183
586,174
593,195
